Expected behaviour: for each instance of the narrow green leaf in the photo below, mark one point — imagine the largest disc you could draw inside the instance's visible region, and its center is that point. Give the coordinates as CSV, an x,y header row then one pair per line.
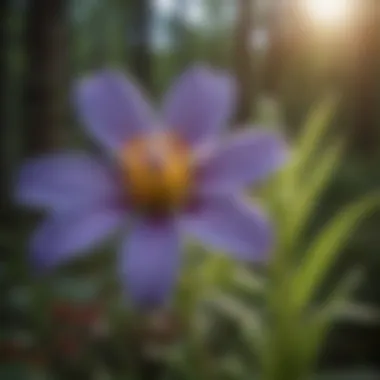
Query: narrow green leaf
x,y
359,314
326,247
317,324
315,129
216,270
249,281
247,318
311,189
236,310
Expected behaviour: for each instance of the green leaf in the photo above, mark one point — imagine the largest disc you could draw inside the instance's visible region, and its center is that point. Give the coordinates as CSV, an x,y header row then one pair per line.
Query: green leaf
x,y
359,314
245,316
310,190
295,190
326,247
216,271
249,281
317,324
314,130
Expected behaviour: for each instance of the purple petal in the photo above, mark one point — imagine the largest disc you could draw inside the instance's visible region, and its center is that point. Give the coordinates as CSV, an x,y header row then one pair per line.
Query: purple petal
x,y
112,108
200,103
62,237
240,161
150,261
64,182
232,225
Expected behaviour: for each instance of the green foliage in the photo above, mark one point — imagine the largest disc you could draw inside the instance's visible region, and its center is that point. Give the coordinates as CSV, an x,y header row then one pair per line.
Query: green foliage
x,y
280,325
300,267
322,253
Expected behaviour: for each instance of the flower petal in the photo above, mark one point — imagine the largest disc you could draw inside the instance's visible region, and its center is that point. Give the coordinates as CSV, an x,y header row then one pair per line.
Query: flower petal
x,y
229,224
62,237
247,157
150,261
200,103
112,108
66,181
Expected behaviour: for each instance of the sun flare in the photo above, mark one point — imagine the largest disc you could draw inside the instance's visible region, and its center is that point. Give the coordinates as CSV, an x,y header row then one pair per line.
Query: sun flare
x,y
328,12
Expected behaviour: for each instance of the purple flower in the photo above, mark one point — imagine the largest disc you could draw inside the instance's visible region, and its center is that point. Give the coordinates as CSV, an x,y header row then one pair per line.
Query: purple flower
x,y
163,180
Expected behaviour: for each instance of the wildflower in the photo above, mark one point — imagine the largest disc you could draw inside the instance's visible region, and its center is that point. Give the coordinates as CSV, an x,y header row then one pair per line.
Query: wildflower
x,y
184,175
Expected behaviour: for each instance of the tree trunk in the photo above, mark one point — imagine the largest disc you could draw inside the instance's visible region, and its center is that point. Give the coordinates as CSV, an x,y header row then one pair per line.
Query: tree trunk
x,y
275,57
141,55
364,94
4,11
243,59
46,69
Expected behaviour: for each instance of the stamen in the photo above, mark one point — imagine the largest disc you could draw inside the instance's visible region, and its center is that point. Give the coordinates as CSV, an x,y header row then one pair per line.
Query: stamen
x,y
157,173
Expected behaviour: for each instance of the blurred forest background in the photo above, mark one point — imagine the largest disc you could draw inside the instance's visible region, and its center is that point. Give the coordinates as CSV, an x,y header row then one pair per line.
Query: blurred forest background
x,y
286,56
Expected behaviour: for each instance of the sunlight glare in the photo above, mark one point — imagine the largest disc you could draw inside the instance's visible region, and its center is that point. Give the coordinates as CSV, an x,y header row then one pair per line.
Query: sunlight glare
x,y
328,12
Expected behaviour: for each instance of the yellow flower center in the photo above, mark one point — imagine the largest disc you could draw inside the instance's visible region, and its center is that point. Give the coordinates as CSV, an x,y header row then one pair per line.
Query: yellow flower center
x,y
157,172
